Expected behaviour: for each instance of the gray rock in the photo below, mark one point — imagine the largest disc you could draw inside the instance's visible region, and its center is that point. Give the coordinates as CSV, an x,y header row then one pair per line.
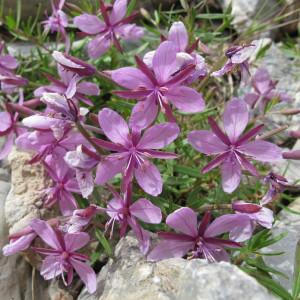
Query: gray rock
x,y
290,223
129,277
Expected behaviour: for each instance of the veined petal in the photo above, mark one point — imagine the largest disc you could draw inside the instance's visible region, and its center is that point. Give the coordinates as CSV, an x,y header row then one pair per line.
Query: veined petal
x,y
235,118
185,99
130,78
146,211
89,23
164,61
6,121
75,241
178,35
183,220
169,249
109,167
86,274
51,267
231,175
206,142
46,233
118,11
114,126
98,46
262,151
144,113
88,88
149,178
159,136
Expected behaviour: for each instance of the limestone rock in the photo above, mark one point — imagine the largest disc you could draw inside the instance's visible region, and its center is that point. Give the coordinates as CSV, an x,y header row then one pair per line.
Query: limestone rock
x,y
24,201
130,277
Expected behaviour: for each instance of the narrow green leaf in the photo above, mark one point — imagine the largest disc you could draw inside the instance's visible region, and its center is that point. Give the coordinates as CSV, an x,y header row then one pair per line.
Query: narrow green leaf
x,y
272,285
296,281
104,242
194,172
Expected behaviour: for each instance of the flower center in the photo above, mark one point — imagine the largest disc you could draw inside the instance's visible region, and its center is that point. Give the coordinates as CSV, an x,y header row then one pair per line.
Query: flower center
x,y
65,255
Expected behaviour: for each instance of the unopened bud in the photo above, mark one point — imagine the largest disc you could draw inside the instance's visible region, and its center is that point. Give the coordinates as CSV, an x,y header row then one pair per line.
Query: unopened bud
x,y
291,155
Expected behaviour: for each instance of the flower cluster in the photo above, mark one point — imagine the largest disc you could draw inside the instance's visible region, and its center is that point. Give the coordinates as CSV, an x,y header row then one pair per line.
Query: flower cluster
x,y
80,150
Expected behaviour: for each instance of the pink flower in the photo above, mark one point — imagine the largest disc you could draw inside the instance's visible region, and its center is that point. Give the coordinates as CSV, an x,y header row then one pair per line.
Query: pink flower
x,y
158,87
64,184
277,184
83,161
264,90
121,210
58,21
106,33
237,56
82,217
61,257
69,86
232,148
44,143
247,216
185,55
132,151
200,239
8,80
9,129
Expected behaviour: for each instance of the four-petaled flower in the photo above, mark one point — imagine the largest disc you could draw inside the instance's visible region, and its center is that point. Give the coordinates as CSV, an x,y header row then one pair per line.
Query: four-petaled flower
x,y
200,240
122,210
233,150
106,33
64,184
132,151
70,86
158,87
185,55
58,21
265,90
62,258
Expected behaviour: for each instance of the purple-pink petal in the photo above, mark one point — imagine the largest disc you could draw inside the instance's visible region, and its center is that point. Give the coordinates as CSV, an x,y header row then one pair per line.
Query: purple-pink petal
x,y
46,233
109,167
146,211
149,178
185,99
179,36
235,118
262,151
114,126
159,136
206,142
231,175
164,61
98,46
75,241
183,220
86,274
169,249
130,78
89,23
